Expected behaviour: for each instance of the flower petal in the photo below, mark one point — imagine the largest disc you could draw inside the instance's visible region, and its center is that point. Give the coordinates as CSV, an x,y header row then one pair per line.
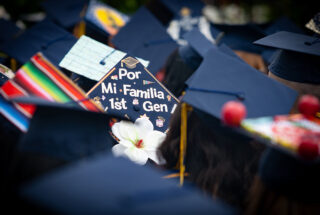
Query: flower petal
x,y
143,127
153,140
127,130
126,143
118,150
136,155
116,130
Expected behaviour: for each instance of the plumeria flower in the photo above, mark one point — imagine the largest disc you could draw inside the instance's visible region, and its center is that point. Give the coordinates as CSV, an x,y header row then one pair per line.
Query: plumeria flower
x,y
137,141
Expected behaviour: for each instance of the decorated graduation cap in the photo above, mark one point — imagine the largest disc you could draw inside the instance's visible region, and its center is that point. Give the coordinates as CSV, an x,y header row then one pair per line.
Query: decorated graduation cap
x,y
53,41
291,164
298,59
221,78
68,132
145,37
132,91
105,19
66,13
111,185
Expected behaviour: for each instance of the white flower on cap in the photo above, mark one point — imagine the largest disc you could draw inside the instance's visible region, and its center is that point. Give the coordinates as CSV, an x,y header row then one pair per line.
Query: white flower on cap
x,y
137,141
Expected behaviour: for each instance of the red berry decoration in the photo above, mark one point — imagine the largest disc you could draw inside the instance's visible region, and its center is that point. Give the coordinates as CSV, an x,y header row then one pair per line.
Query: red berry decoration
x,y
233,112
309,148
309,105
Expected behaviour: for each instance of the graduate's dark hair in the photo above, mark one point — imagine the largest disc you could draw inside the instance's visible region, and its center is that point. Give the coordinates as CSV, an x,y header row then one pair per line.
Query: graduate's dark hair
x,y
285,184
177,73
221,166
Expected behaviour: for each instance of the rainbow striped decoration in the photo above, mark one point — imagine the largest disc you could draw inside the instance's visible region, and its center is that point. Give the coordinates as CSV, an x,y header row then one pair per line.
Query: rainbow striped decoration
x,y
18,114
41,78
13,115
10,90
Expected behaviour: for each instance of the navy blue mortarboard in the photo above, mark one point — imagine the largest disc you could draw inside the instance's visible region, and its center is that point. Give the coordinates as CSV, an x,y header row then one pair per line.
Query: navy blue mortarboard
x,y
64,131
180,71
66,13
53,41
298,59
239,37
130,90
198,47
145,37
104,18
221,78
195,6
292,42
112,185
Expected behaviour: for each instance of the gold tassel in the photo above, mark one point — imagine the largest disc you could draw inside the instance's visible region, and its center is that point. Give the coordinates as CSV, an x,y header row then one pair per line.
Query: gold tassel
x,y
13,64
183,140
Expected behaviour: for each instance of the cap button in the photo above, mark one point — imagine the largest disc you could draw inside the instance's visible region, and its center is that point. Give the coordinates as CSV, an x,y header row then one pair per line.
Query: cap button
x,y
136,108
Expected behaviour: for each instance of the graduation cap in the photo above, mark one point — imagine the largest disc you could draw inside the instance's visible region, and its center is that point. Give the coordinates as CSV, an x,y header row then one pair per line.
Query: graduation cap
x,y
221,78
180,71
104,18
66,13
145,37
131,90
67,131
111,185
53,41
298,59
